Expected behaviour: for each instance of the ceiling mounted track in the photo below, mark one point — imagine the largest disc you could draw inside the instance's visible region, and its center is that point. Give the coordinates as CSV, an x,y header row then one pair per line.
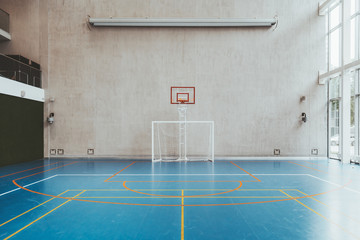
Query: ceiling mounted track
x,y
181,22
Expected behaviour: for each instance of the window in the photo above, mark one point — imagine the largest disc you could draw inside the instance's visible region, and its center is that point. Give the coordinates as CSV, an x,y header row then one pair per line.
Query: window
x,y
352,115
343,54
334,29
334,49
334,17
355,113
334,120
353,38
354,7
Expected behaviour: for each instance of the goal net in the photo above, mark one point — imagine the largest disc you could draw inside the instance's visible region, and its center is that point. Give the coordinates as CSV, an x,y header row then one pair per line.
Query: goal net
x,y
182,141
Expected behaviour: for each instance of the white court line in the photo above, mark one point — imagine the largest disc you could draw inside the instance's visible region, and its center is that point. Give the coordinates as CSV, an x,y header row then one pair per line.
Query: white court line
x,y
9,191
2,194
259,174
83,175
150,174
94,175
335,184
178,174
282,174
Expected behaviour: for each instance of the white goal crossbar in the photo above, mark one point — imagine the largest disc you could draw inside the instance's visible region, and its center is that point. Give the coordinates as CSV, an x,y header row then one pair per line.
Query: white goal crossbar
x,y
182,140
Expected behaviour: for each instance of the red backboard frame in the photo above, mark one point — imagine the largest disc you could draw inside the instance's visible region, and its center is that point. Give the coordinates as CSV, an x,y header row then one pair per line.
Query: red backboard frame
x,y
178,99
176,91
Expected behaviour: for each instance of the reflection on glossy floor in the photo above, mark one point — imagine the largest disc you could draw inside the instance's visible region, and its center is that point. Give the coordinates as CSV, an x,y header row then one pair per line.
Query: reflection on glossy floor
x,y
113,199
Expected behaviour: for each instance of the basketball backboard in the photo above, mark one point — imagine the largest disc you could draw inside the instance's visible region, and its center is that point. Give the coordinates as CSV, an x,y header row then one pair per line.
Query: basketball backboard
x,y
182,95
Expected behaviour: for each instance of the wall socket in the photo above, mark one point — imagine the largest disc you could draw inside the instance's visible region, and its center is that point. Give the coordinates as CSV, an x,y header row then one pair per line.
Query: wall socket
x,y
52,151
90,151
314,151
60,151
276,151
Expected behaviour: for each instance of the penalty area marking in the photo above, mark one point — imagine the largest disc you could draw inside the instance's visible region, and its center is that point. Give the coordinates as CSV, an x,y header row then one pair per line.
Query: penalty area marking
x,y
178,205
102,175
158,195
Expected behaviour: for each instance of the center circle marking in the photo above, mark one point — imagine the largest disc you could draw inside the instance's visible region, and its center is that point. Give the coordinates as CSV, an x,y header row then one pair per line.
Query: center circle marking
x,y
189,196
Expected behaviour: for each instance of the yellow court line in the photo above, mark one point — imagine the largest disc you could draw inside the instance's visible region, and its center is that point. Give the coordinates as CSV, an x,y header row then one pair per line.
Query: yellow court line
x,y
246,172
195,197
27,170
107,180
182,214
264,189
311,197
219,181
41,217
45,171
150,189
30,209
344,214
339,226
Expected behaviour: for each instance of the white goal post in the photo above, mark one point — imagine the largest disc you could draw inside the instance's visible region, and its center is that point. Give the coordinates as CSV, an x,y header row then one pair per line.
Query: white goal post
x,y
182,141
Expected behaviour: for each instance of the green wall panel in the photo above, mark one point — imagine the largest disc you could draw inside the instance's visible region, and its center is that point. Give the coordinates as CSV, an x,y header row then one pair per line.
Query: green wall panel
x,y
21,130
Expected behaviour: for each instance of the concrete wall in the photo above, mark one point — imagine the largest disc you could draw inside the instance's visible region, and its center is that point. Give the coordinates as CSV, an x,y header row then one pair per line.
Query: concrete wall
x,y
110,83
24,28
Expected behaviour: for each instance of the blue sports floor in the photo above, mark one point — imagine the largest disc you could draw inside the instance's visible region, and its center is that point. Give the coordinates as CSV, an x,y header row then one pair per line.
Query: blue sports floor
x,y
113,199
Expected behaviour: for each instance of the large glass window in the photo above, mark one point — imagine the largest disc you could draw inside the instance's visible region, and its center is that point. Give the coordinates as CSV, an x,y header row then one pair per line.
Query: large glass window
x,y
355,113
352,115
334,27
353,38
334,17
353,7
343,54
335,49
334,120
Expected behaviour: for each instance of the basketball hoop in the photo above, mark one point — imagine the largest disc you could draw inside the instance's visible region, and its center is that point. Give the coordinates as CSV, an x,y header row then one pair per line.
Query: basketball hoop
x,y
170,138
182,96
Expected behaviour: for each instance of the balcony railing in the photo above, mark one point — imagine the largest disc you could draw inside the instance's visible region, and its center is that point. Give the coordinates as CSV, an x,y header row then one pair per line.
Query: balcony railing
x,y
20,69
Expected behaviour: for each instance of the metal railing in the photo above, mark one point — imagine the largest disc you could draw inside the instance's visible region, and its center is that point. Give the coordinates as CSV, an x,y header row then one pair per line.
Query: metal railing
x,y
18,70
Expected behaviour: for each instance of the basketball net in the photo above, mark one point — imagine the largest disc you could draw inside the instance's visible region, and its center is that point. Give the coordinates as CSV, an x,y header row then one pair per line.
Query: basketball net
x,y
182,111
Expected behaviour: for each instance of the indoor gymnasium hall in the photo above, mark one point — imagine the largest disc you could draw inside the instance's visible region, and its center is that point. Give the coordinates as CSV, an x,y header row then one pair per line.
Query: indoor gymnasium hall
x,y
207,119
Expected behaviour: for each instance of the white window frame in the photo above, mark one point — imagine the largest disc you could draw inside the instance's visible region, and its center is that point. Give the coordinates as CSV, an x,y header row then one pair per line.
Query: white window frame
x,y
333,99
346,66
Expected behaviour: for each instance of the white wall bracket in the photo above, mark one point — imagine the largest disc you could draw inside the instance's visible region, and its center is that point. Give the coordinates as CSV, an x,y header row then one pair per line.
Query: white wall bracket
x,y
323,7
